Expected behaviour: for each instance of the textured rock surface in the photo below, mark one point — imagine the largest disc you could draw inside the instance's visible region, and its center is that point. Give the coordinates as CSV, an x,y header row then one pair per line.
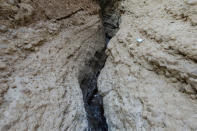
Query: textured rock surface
x,y
148,85
39,64
151,85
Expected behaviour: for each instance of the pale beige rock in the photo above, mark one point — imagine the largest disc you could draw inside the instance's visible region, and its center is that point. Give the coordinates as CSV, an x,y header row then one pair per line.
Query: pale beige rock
x,y
148,85
152,85
39,88
45,93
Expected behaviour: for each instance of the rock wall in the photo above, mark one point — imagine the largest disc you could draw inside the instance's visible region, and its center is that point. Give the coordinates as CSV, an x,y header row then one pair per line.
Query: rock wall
x,y
43,46
149,80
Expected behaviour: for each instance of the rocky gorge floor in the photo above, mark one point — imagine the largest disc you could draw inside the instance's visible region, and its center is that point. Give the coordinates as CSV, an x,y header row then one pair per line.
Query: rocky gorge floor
x,y
116,65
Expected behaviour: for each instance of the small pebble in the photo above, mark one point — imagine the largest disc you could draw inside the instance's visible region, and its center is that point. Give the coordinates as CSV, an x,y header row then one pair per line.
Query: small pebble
x,y
139,40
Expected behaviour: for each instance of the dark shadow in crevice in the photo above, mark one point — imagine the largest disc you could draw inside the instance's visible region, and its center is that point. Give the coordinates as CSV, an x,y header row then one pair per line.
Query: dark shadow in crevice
x,y
93,101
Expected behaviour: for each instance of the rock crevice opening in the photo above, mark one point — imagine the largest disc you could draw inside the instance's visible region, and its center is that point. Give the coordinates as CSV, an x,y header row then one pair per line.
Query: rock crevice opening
x,y
93,101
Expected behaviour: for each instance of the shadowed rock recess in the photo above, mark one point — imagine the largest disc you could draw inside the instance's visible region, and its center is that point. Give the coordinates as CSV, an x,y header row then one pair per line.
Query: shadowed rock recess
x,y
93,101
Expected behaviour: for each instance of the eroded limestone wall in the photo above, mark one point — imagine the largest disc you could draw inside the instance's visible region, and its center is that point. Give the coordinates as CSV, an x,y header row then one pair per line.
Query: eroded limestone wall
x,y
43,46
151,85
148,85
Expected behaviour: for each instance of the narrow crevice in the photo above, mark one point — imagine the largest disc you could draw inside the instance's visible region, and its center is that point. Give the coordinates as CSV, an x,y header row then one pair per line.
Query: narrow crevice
x,y
93,101
69,15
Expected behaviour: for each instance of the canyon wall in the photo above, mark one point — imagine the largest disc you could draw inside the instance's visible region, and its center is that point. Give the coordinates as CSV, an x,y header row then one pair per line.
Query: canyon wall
x,y
148,82
43,46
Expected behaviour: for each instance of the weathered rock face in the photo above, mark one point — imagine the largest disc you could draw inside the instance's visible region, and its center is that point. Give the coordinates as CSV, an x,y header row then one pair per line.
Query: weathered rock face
x,y
40,61
151,85
25,12
51,51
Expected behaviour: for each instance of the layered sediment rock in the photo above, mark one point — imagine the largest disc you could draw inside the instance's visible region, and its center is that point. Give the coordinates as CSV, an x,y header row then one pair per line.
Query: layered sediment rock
x,y
49,48
149,80
42,50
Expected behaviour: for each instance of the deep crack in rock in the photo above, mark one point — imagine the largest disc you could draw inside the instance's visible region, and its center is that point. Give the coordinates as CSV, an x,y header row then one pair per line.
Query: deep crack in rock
x,y
93,101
